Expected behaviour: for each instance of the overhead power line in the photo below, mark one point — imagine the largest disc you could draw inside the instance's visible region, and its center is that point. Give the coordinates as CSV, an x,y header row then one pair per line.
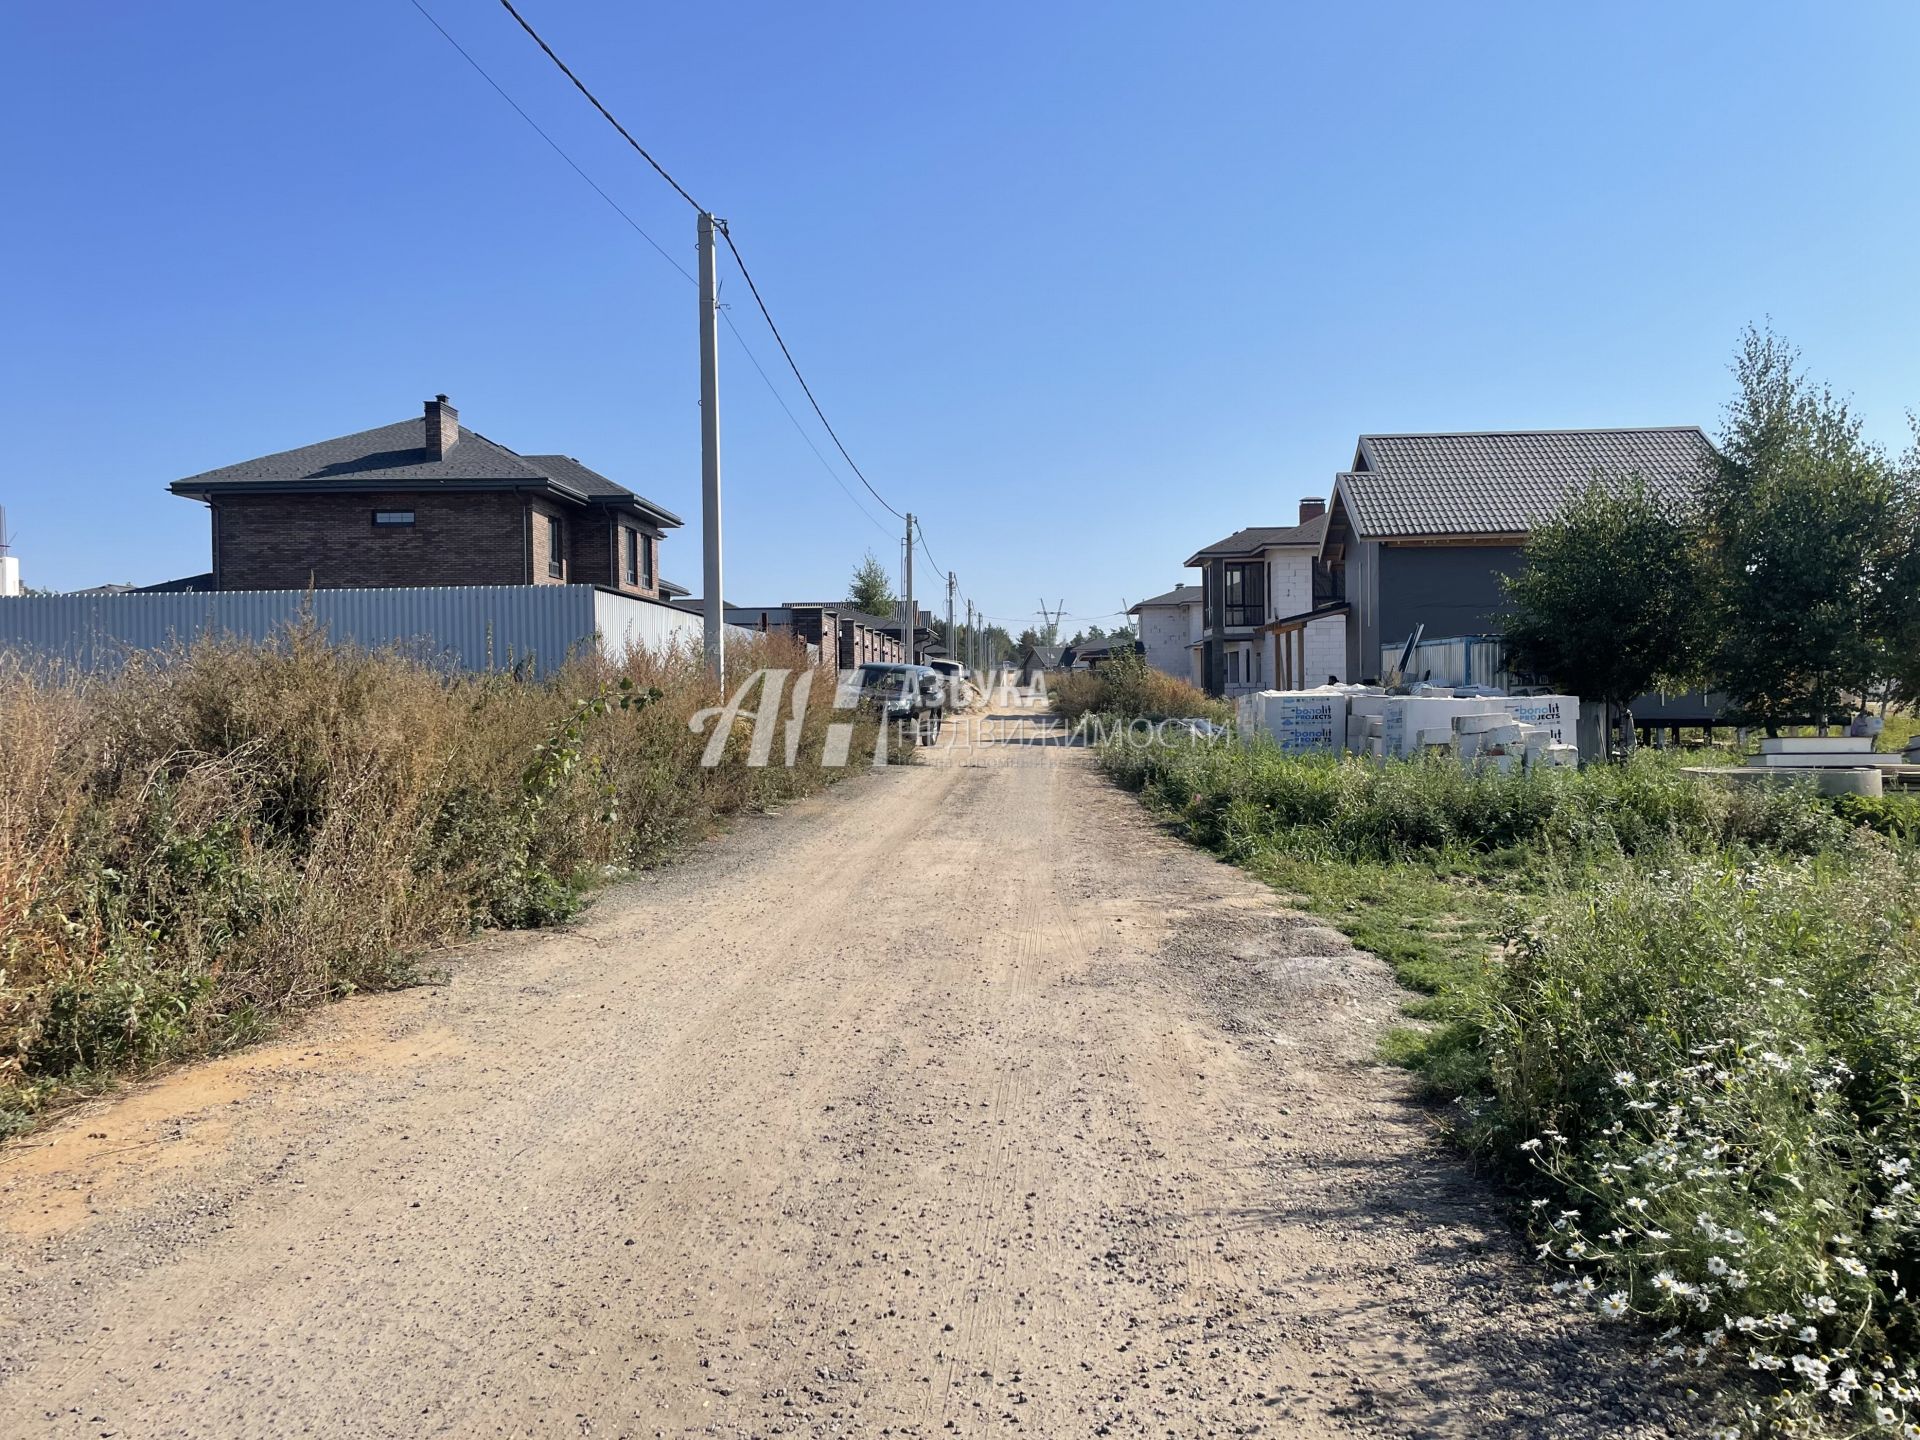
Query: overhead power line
x,y
738,259
767,315
639,230
800,429
555,144
638,148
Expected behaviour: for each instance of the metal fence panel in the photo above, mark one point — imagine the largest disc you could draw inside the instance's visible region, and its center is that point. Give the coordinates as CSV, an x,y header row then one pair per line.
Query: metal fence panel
x,y
478,627
626,623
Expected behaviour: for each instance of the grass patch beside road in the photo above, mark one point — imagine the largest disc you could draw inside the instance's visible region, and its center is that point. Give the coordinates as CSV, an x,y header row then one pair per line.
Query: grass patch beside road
x,y
1684,1018
208,841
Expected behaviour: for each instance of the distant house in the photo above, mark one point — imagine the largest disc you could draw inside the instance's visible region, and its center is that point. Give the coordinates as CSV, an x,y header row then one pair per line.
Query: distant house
x,y
426,502
863,639
1037,660
1097,652
1271,613
1423,527
1170,626
843,636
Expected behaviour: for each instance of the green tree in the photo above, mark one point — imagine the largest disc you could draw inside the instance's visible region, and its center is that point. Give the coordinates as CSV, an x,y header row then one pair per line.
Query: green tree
x,y
1608,605
1812,532
1903,659
871,589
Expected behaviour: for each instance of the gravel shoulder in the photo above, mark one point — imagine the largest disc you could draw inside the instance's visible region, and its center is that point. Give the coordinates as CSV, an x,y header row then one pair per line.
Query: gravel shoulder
x,y
960,1099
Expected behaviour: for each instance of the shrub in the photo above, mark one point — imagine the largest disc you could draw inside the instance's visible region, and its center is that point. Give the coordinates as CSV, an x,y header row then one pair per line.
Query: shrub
x,y
1128,688
1235,796
1714,1069
210,839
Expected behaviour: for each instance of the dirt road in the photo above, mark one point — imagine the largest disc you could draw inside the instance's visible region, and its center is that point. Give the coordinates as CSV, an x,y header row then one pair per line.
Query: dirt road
x,y
959,1100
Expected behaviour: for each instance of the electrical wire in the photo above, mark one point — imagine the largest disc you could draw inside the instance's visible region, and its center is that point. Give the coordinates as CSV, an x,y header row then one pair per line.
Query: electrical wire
x,y
638,148
800,429
725,234
767,315
555,144
720,225
639,230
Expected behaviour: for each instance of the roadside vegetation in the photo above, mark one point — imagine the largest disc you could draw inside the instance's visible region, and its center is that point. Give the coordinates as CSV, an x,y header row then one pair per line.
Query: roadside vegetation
x,y
1681,1019
1787,577
205,842
1127,688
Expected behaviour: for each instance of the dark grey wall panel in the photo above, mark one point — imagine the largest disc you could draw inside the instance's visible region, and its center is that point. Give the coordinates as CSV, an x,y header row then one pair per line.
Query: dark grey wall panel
x,y
1452,590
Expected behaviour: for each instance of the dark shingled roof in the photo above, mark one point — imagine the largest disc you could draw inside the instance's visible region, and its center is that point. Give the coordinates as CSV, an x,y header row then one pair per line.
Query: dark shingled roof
x,y
1260,537
592,484
1505,482
396,455
1179,595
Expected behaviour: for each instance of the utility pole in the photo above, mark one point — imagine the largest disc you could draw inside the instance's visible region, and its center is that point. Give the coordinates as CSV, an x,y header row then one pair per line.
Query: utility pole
x,y
968,652
907,612
953,640
712,602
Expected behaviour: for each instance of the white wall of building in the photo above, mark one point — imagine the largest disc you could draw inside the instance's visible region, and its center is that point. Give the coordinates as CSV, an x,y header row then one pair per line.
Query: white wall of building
x,y
9,575
1290,592
1168,632
1289,582
1327,650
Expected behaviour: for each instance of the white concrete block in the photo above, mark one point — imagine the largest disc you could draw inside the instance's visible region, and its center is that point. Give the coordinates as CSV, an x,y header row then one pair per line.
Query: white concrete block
x,y
1816,745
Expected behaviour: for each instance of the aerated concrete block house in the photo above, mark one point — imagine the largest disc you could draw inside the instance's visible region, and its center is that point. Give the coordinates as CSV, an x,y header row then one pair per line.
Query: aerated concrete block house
x,y
1272,615
1170,626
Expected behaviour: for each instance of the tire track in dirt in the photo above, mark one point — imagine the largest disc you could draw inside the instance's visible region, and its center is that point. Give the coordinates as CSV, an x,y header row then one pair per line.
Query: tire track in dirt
x,y
957,1101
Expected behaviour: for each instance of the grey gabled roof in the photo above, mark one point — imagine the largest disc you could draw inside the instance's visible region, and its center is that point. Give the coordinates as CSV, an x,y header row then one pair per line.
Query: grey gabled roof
x,y
1505,482
1256,538
1179,595
397,455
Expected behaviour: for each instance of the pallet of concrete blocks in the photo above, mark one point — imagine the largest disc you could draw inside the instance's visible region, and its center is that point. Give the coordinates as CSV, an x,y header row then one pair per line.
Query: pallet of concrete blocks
x,y
1300,722
1503,743
1559,715
1409,718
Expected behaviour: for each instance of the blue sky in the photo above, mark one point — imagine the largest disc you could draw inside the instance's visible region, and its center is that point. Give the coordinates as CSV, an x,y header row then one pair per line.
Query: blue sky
x,y
1085,285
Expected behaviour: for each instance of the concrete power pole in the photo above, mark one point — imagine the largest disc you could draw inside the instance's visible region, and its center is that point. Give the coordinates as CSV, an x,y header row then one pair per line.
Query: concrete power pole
x,y
953,640
713,601
907,612
969,652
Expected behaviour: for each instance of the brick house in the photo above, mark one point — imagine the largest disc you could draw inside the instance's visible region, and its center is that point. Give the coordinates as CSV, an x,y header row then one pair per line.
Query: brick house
x,y
426,503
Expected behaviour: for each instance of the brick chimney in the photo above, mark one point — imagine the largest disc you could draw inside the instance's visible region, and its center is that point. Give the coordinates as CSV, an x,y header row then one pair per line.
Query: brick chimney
x,y
1312,508
443,427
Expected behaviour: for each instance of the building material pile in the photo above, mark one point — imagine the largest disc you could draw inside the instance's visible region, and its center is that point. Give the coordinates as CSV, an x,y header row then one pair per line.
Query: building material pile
x,y
1835,764
1491,731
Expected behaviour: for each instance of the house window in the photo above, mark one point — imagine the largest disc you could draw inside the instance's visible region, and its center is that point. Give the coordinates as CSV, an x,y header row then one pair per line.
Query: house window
x,y
392,519
633,555
646,560
1245,592
556,566
1233,667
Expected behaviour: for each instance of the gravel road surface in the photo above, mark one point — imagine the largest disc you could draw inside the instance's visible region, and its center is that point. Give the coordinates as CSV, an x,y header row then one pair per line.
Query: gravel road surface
x,y
958,1100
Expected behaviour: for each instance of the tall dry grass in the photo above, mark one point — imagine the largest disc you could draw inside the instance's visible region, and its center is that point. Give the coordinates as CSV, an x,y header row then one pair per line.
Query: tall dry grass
x,y
1128,688
207,841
